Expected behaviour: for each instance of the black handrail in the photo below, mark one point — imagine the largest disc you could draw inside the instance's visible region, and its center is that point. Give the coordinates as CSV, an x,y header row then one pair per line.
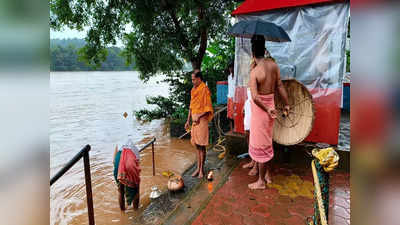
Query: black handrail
x,y
147,145
88,181
152,152
85,154
72,162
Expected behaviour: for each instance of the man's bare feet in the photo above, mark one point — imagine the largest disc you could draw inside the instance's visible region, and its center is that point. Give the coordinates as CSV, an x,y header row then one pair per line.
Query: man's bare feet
x,y
253,171
259,184
128,208
248,165
268,178
201,175
196,172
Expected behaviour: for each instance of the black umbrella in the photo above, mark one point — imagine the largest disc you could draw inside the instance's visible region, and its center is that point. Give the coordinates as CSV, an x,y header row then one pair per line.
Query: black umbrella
x,y
248,28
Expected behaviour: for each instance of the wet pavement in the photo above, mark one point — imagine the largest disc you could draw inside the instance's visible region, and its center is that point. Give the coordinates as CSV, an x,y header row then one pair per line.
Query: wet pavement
x,y
344,131
339,199
289,200
179,207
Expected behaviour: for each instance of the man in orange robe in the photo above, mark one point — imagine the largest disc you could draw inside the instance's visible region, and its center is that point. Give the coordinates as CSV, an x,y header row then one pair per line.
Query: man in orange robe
x,y
201,112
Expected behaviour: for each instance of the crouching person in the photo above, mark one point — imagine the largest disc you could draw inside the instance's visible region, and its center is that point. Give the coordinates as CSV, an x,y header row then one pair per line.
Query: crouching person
x,y
127,175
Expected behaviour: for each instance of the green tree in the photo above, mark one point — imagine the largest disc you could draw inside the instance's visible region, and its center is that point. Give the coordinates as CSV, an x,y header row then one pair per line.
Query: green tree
x,y
214,66
163,34
218,56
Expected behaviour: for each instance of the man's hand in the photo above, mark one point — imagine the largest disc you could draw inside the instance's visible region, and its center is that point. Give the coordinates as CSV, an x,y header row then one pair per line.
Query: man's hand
x,y
197,121
272,113
286,110
187,125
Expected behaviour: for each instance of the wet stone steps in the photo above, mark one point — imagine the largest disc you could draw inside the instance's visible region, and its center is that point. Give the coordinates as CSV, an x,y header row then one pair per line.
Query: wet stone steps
x,y
183,206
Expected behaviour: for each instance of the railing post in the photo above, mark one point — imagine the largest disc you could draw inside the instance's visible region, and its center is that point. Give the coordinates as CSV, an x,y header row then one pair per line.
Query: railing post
x,y
88,183
152,152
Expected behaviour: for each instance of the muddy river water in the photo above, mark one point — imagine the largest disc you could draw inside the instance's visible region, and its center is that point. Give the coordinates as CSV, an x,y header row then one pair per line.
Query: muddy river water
x,y
88,108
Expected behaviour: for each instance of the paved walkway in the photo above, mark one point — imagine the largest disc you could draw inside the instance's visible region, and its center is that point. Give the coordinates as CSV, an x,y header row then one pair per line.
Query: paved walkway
x,y
289,200
339,199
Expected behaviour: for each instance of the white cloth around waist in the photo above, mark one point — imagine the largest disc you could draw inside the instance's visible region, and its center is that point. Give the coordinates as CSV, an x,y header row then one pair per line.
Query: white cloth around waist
x,y
231,86
247,111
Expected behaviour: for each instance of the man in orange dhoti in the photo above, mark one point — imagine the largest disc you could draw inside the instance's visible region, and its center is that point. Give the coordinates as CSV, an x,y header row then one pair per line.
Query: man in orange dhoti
x,y
264,82
201,112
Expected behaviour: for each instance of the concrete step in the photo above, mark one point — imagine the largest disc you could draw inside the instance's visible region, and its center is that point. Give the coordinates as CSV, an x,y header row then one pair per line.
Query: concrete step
x,y
200,195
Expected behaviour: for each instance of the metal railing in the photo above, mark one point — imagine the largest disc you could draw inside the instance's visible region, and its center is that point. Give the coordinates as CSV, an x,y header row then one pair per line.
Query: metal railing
x,y
88,181
85,154
152,152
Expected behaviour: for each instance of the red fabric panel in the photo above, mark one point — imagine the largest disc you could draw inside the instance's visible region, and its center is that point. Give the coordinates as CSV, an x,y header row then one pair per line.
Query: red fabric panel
x,y
230,108
252,6
326,117
238,115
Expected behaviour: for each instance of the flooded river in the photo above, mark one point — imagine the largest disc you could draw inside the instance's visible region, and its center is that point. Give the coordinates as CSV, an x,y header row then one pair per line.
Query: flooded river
x,y
88,108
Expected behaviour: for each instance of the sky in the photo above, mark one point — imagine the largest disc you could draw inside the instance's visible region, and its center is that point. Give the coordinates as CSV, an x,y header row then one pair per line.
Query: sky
x,y
67,33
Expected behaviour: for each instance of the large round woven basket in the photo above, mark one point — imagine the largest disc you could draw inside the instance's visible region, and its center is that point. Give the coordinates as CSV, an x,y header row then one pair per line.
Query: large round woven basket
x,y
296,126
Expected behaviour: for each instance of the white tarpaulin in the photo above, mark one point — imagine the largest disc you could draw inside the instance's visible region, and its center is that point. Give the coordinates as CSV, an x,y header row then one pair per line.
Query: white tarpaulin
x,y
316,54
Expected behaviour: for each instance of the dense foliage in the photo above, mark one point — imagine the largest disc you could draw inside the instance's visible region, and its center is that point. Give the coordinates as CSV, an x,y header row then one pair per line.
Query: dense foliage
x,y
158,35
215,62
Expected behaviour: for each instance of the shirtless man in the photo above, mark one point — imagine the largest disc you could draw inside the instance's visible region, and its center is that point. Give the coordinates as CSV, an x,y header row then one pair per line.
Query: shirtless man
x,y
264,82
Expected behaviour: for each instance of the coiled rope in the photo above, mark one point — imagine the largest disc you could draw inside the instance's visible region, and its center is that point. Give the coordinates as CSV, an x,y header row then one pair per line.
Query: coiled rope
x,y
219,146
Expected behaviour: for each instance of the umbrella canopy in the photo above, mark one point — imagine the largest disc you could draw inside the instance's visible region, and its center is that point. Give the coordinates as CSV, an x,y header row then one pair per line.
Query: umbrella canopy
x,y
248,28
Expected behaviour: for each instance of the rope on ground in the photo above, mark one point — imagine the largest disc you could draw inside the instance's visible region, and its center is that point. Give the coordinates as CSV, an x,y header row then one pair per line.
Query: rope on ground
x,y
326,160
322,215
219,146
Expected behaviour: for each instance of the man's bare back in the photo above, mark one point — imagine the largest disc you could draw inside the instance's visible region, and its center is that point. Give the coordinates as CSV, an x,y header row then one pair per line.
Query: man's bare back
x,y
265,79
266,74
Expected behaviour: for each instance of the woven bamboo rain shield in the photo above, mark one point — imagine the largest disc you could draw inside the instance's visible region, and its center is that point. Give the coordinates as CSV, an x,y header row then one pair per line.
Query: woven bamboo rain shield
x,y
294,128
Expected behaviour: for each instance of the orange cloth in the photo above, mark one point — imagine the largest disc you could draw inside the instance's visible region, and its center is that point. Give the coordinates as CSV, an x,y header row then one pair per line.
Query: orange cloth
x,y
260,146
200,102
199,133
230,108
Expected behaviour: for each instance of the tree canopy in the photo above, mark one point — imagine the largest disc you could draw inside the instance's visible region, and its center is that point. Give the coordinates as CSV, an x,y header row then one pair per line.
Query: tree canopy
x,y
159,36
